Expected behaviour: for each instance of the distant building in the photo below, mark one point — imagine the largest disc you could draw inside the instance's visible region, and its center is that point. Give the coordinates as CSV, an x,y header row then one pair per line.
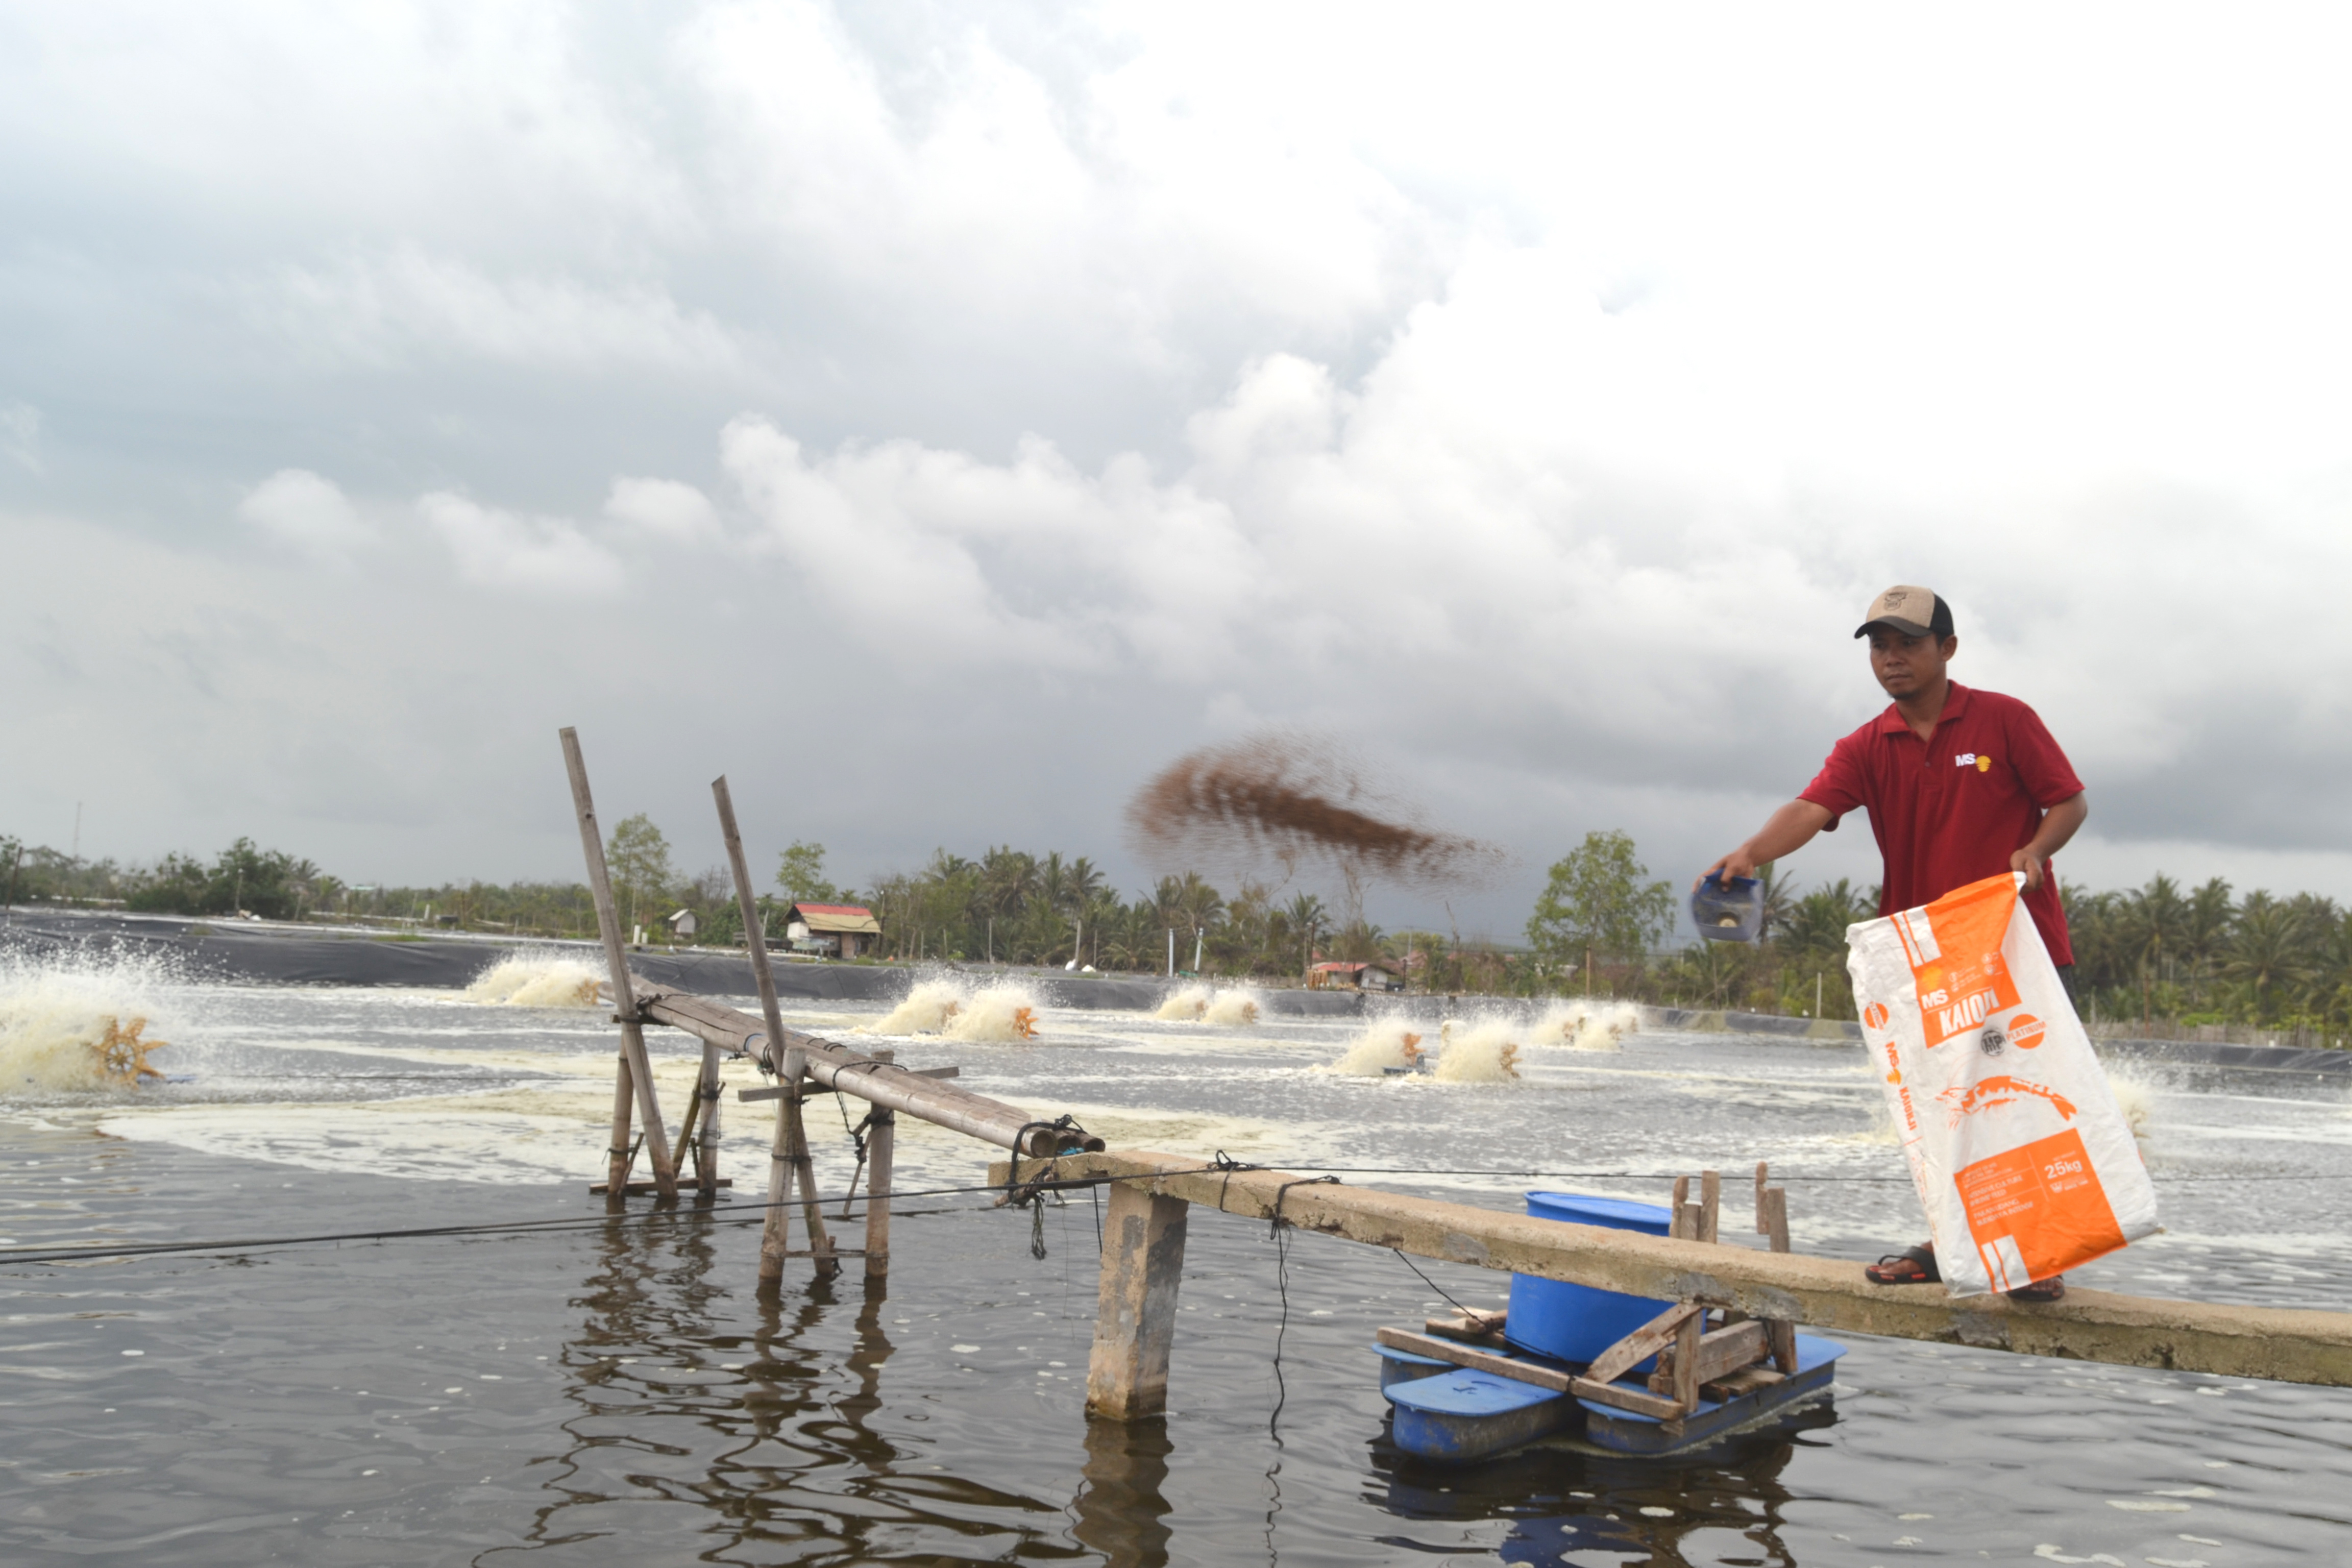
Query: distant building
x,y
683,925
1352,977
838,930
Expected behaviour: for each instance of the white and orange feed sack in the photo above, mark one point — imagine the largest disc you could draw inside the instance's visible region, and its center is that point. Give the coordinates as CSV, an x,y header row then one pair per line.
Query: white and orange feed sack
x,y
2023,1160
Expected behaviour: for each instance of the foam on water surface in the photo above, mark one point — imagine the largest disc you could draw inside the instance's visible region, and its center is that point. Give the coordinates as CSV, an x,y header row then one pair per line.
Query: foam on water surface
x,y
535,980
927,1010
61,1019
1188,1003
1390,1045
1585,1025
1485,1052
1002,1015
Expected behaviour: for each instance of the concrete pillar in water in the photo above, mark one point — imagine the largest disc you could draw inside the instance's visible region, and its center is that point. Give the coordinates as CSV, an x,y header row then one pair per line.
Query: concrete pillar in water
x,y
1135,1312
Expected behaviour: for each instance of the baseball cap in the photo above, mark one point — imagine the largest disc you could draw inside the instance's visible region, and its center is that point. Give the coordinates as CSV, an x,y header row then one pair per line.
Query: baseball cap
x,y
1914,611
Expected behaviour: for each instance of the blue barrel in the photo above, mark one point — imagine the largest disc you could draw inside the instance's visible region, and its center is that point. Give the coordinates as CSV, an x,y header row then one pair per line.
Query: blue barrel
x,y
1576,1322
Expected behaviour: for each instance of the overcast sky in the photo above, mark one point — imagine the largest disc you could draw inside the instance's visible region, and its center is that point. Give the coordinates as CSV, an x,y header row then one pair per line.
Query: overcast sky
x,y
938,417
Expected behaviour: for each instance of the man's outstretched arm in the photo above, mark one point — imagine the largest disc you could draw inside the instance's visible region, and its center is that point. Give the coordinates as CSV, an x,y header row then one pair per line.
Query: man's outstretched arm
x,y
1789,829
2058,824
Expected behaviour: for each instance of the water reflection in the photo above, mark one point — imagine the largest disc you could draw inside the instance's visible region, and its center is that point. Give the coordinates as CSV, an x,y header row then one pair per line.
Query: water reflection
x,y
1724,1504
770,1434
1121,1510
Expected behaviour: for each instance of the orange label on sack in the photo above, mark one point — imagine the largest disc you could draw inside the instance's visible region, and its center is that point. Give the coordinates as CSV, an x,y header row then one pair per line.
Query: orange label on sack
x,y
1953,946
2038,1210
2003,1091
2025,1031
1876,1014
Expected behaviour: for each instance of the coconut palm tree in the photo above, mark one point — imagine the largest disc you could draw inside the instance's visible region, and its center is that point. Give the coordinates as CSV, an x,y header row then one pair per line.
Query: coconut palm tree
x,y
2268,952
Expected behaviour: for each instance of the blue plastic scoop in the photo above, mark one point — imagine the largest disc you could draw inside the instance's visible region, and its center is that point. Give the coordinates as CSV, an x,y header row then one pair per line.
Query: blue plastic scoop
x,y
1728,910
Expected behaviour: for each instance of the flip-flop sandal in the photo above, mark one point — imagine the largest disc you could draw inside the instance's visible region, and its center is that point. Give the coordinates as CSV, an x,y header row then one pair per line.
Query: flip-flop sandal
x,y
2050,1290
1912,1265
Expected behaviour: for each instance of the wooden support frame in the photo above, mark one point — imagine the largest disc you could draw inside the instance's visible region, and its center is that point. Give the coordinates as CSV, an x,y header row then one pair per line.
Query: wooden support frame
x,y
791,1135
917,1094
635,1075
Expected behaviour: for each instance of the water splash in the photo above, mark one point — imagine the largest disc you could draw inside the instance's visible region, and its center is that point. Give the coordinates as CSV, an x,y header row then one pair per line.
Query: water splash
x,y
535,980
929,1009
1187,1005
1233,1009
1003,1013
1387,1046
1584,1026
2135,1097
1479,1053
76,1024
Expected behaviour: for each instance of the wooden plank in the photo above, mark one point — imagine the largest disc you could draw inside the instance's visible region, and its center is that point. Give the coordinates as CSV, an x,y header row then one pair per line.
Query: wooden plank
x,y
1830,1295
1710,1205
1686,1368
1641,1345
1623,1398
1731,1386
1776,1225
755,941
640,1189
773,1092
1477,1359
617,960
1470,1327
1726,1349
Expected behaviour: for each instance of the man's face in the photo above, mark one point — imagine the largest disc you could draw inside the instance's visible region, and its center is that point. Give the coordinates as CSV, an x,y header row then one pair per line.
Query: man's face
x,y
1909,666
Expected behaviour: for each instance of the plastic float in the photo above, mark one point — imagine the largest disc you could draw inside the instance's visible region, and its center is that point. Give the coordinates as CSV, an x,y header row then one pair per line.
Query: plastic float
x,y
1621,1373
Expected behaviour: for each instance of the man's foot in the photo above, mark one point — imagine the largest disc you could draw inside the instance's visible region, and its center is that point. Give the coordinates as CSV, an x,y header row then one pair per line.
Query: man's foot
x,y
2050,1290
1912,1265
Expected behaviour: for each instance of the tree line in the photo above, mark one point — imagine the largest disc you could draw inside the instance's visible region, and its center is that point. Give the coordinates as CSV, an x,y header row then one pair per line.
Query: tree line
x,y
2160,952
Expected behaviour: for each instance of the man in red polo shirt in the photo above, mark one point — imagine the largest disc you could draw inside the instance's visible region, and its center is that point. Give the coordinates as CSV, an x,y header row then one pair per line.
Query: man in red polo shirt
x,y
1959,784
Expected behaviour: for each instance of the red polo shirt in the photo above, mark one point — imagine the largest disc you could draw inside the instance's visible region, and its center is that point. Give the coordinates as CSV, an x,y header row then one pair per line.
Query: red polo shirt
x,y
1952,811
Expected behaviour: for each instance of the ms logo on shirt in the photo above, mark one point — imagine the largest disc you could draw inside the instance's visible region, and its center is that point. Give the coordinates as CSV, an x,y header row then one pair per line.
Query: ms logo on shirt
x,y
1971,760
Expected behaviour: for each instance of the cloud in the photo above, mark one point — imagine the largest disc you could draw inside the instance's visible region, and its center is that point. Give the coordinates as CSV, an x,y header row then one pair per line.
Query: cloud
x,y
383,311
20,434
670,511
309,514
1535,397
545,557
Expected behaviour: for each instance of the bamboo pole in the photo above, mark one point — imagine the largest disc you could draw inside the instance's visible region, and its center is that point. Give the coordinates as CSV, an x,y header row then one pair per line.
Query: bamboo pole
x,y
790,1065
634,1066
706,1158
879,1152
884,1084
616,1165
776,1231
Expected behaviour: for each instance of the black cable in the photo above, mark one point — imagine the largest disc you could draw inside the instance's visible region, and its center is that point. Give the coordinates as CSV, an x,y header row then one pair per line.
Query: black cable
x,y
1223,1165
1432,1284
1282,1285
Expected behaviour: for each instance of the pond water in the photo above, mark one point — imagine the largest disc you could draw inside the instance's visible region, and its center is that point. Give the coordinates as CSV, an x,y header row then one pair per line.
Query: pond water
x,y
615,1389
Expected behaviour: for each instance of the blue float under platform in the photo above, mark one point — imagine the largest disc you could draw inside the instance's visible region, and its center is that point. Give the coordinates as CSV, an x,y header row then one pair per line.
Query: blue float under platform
x,y
1454,1415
